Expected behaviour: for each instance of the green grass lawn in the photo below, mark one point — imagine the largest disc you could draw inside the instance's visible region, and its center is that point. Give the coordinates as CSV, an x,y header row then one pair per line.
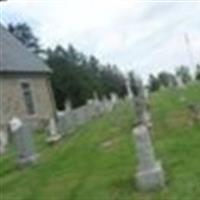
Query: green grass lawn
x,y
98,161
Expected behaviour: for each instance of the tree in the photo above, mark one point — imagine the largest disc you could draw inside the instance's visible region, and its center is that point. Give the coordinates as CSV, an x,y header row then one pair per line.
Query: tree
x,y
198,72
24,34
183,73
166,79
154,83
76,77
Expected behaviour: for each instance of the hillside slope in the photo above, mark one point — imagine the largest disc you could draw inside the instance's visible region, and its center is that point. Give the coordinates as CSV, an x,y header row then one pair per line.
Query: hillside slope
x,y
98,161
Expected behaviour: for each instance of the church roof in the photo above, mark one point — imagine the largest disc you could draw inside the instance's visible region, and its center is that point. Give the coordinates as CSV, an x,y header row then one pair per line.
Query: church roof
x,y
16,58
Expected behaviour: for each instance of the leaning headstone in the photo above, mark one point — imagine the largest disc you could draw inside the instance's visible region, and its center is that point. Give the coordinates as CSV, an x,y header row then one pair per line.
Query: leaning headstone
x,y
23,140
54,136
3,141
150,174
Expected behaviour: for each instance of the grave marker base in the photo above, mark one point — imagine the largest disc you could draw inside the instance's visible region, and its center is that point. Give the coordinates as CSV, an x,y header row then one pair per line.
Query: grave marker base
x,y
53,139
151,179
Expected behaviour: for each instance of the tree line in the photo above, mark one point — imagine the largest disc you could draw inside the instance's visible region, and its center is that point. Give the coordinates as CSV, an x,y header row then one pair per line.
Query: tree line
x,y
167,79
77,77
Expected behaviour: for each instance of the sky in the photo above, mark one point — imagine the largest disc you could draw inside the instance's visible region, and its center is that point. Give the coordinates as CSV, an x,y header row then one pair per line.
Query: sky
x,y
145,36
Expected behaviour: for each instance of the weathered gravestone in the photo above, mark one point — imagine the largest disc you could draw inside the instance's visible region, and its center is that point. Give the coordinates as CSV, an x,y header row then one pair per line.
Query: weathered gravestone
x,y
68,106
179,82
54,136
141,105
149,174
23,140
66,122
97,107
108,106
114,98
3,141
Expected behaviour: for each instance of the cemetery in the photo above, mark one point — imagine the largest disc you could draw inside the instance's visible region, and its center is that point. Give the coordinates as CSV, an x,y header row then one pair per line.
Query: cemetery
x,y
80,167
99,100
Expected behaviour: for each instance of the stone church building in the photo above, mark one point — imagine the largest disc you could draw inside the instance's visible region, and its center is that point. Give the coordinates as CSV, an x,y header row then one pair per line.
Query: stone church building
x,y
25,89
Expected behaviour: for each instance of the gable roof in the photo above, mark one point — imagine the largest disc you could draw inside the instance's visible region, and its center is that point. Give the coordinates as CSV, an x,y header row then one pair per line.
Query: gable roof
x,y
16,58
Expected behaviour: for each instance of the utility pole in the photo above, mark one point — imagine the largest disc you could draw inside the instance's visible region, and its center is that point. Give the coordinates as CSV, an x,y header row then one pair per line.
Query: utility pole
x,y
189,50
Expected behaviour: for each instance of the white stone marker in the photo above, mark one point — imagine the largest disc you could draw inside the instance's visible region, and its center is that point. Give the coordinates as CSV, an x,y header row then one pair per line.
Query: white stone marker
x,y
68,106
54,136
149,175
23,141
3,141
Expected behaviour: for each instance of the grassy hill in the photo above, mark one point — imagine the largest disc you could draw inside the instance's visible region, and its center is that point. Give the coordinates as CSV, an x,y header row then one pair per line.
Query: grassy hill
x,y
98,162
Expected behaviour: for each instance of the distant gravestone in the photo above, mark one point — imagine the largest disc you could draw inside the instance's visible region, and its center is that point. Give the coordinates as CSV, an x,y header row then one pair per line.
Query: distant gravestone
x,y
129,91
114,98
3,141
54,136
149,175
23,140
68,106
89,101
141,105
179,83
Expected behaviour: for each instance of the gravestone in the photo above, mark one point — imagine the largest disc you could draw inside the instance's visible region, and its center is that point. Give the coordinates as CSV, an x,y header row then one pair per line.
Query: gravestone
x,y
114,98
68,106
66,123
179,82
129,91
54,136
97,107
23,140
108,106
3,141
141,105
149,174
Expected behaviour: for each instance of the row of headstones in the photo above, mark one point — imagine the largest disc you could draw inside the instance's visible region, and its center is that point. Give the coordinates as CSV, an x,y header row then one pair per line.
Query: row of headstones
x,y
149,174
22,134
70,119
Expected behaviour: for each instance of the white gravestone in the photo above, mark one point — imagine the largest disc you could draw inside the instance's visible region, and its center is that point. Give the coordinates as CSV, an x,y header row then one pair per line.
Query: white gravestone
x,y
54,136
114,98
149,172
3,141
23,141
129,91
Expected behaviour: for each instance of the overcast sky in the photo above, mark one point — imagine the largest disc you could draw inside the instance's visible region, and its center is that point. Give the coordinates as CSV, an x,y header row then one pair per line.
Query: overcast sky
x,y
147,36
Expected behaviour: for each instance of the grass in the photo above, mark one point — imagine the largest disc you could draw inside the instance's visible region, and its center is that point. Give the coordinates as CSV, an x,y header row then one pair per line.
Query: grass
x,y
98,162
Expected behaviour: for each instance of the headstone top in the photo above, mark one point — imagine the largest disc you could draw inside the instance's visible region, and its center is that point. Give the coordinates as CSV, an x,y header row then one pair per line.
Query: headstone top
x,y
15,124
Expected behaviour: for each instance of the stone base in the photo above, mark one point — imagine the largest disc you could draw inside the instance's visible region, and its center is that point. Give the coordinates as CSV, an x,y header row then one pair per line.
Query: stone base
x,y
27,160
53,139
150,179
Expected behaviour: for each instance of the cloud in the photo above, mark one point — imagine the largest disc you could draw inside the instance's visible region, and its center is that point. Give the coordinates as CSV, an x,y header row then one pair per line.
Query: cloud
x,y
143,35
